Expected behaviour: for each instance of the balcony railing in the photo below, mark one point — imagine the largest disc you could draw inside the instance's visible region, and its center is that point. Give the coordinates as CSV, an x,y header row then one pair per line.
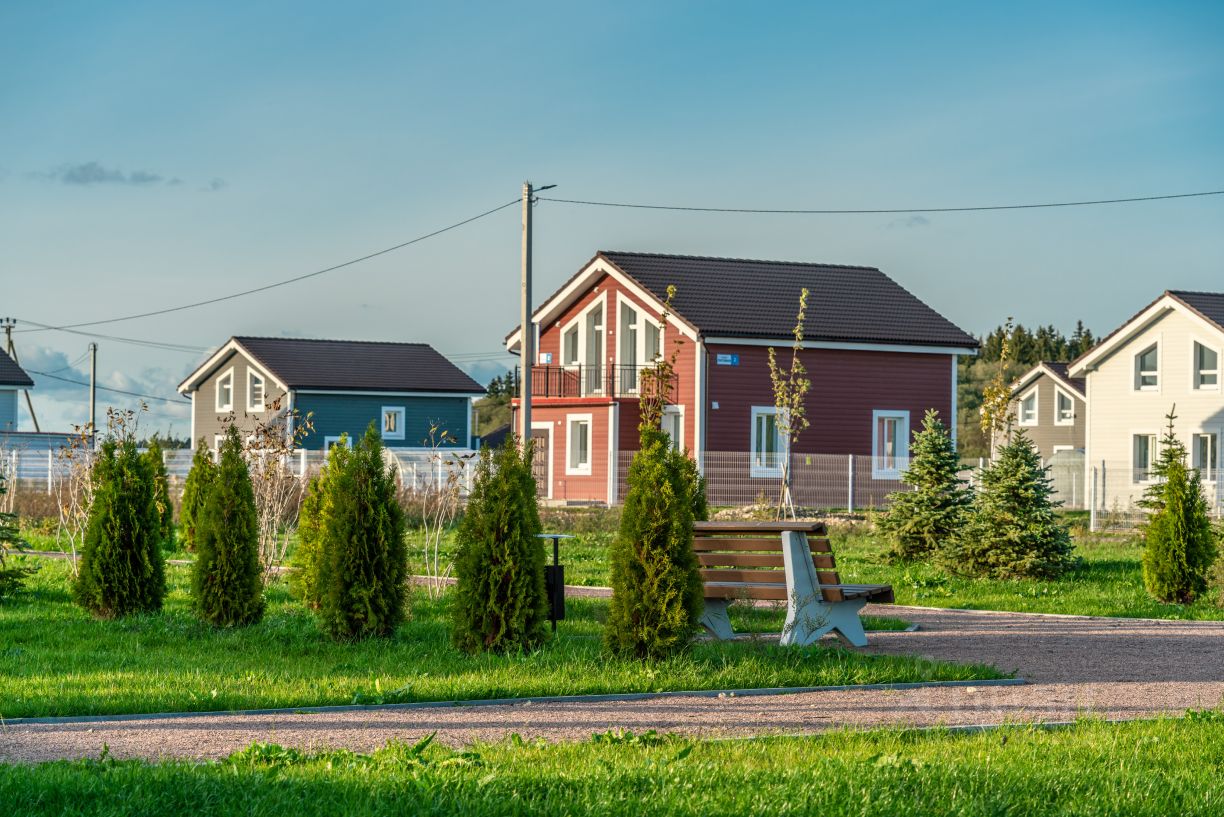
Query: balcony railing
x,y
589,381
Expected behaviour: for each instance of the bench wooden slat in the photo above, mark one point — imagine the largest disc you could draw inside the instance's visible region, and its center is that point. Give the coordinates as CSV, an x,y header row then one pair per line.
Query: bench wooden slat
x,y
741,559
823,561
751,576
715,544
763,592
706,528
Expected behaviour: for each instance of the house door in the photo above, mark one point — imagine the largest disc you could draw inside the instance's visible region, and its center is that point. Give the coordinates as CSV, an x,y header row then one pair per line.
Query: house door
x,y
541,455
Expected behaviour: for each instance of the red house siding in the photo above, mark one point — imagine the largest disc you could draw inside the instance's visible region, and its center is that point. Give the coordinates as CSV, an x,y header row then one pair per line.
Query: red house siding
x,y
846,387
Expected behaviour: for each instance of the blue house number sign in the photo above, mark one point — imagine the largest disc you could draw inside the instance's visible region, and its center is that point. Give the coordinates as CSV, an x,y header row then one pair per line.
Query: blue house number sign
x,y
726,360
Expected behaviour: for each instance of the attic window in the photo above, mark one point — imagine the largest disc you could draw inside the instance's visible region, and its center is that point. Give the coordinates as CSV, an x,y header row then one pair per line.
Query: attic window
x,y
1206,367
225,391
1028,409
393,422
1064,408
255,391
1147,372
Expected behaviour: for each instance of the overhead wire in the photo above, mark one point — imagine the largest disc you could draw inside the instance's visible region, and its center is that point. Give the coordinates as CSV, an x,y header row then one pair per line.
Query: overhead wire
x,y
109,389
880,210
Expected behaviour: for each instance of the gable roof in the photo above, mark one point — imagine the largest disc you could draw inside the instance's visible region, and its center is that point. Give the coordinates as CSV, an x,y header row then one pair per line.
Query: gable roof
x,y
741,298
1205,307
345,365
1056,371
11,374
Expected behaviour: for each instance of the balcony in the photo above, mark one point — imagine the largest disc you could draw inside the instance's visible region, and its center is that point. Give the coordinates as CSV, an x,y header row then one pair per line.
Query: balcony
x,y
589,381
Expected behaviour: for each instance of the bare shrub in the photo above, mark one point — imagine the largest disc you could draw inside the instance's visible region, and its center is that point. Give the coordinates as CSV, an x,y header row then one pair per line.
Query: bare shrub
x,y
433,505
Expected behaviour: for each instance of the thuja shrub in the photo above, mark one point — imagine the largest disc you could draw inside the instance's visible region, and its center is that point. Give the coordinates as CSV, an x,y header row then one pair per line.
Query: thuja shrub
x,y
195,490
11,576
363,578
308,560
156,460
656,601
934,510
121,569
226,577
1013,530
1179,542
500,600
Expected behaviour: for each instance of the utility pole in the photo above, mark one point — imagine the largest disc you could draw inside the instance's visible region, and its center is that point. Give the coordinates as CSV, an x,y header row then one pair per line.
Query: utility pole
x,y
93,387
526,330
9,323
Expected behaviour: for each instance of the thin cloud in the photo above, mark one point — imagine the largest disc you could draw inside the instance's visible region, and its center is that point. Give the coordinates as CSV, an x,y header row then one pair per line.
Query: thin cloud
x,y
89,174
909,222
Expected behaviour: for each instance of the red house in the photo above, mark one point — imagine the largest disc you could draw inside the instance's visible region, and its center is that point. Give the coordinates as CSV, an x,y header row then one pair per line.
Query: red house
x,y
877,358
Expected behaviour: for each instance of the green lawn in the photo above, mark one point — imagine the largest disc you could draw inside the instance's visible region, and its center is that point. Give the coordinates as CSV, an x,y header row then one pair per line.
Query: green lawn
x,y
56,660
1157,768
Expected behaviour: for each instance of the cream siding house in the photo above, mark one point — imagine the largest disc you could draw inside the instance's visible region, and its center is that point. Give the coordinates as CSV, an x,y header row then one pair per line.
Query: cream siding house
x,y
1167,358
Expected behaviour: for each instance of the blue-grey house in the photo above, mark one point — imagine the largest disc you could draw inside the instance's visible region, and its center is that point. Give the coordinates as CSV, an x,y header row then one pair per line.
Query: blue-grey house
x,y
344,385
13,378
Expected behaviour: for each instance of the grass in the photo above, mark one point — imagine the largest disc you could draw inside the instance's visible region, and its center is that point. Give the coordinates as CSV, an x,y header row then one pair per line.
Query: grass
x,y
1153,768
56,660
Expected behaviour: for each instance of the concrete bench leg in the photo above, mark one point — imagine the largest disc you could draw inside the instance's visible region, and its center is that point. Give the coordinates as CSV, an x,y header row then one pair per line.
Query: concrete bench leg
x,y
716,621
808,615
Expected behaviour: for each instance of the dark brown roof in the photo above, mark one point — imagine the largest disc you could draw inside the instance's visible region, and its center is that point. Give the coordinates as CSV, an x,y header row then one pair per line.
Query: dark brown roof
x,y
733,297
1208,304
1060,370
11,374
353,365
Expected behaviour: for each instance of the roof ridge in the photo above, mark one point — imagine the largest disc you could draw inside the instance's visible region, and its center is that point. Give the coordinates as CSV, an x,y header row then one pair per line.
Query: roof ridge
x,y
332,340
1193,292
739,260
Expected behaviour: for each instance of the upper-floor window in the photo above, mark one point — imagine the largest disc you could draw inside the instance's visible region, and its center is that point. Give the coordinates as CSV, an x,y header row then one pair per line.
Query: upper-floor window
x,y
1064,408
890,444
1206,367
767,445
393,422
1028,409
225,391
1147,368
255,391
569,347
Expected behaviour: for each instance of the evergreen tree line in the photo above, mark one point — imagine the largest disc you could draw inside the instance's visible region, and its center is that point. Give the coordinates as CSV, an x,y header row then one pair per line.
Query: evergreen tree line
x,y
502,386
1030,347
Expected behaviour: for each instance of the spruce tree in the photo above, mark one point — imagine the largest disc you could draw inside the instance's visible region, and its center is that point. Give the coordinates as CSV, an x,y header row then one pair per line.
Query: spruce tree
x,y
161,492
121,569
1013,530
1179,542
11,576
226,577
365,559
656,581
500,599
919,521
195,490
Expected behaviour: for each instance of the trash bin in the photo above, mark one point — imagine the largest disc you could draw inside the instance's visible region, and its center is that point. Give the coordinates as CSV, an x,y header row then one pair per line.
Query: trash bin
x,y
554,579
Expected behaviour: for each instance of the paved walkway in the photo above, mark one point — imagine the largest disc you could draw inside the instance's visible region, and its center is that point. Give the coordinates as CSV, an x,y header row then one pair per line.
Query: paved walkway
x,y
1116,668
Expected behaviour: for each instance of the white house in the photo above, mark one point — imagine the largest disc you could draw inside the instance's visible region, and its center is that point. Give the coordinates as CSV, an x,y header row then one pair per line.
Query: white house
x,y
1167,358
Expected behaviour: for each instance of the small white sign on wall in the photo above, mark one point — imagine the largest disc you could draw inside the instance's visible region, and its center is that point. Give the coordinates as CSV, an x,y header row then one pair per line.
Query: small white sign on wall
x,y
545,358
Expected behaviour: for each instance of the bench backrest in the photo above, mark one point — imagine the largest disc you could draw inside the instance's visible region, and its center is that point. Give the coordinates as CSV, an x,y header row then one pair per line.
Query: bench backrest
x,y
751,552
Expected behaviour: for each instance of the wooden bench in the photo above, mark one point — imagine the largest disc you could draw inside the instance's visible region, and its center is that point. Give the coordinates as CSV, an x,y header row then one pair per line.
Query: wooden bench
x,y
781,561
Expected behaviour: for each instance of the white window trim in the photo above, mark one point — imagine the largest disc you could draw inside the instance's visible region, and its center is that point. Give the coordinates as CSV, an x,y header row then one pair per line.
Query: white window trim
x,y
1033,393
1194,369
217,390
762,471
677,411
582,470
1135,371
252,374
216,451
1058,420
382,422
1213,467
643,314
903,434
1058,449
1153,454
327,442
584,356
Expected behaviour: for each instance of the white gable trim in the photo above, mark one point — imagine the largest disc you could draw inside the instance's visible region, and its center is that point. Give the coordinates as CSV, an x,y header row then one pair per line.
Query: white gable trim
x,y
551,309
1128,331
201,373
1037,371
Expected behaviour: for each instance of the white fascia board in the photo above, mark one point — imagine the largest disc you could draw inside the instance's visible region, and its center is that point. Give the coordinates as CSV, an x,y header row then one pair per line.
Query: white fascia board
x,y
1127,332
231,346
557,304
853,347
394,393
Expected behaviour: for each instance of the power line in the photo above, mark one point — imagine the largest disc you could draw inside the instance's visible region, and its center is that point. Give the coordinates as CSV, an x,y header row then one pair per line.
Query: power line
x,y
882,211
285,282
107,388
70,365
151,344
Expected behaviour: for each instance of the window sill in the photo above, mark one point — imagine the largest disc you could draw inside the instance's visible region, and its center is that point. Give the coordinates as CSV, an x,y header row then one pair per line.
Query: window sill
x,y
578,472
765,473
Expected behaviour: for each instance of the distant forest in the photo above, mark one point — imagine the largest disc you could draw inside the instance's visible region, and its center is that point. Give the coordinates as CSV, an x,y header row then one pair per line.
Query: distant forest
x,y
1028,348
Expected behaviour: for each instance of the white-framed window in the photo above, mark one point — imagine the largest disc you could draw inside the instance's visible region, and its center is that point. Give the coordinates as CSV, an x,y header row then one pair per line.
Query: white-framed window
x,y
578,444
1206,367
768,447
1028,409
889,443
331,442
673,426
216,452
1064,408
1203,455
255,391
1147,369
639,344
569,347
225,391
1058,449
392,422
1144,447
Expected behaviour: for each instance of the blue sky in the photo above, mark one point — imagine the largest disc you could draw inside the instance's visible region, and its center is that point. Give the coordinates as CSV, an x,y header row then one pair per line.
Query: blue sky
x,y
155,153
